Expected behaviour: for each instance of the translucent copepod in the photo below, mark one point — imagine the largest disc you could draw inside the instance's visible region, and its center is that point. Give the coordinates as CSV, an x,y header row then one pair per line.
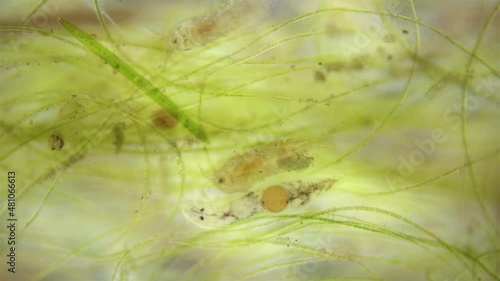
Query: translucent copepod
x,y
274,199
240,172
231,15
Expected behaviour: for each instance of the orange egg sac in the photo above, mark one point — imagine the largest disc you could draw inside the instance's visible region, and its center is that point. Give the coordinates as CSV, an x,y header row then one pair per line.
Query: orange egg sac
x,y
163,120
275,198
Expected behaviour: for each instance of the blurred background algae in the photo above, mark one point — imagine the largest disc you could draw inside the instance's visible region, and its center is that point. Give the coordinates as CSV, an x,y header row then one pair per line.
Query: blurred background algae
x,y
374,122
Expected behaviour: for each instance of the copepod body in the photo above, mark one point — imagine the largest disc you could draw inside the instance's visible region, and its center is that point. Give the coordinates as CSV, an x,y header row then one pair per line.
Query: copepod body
x,y
196,32
240,172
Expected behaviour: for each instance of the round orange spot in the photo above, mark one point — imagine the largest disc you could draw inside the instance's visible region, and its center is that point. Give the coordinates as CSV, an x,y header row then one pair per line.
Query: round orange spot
x,y
275,198
163,120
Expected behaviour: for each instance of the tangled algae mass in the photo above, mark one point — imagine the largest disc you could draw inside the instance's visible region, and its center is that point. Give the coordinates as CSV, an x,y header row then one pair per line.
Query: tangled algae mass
x,y
249,140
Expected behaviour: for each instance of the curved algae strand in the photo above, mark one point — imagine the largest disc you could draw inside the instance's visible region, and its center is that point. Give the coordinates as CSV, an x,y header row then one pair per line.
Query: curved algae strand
x,y
240,172
137,79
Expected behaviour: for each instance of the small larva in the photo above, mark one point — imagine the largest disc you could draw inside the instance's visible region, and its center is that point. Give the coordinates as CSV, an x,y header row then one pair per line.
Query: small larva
x,y
198,31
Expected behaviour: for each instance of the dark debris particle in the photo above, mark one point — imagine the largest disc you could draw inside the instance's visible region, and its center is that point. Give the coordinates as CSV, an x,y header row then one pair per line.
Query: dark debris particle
x,y
119,136
202,218
56,142
319,76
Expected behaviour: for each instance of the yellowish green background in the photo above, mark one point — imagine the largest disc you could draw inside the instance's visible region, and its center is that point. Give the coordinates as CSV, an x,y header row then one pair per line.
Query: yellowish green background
x,y
397,101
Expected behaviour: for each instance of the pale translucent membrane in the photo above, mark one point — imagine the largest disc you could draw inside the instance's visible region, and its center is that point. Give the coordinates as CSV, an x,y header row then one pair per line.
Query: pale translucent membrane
x,y
228,17
391,169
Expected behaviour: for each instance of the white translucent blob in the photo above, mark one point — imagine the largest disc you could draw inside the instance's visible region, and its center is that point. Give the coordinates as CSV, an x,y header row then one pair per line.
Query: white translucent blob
x,y
230,16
